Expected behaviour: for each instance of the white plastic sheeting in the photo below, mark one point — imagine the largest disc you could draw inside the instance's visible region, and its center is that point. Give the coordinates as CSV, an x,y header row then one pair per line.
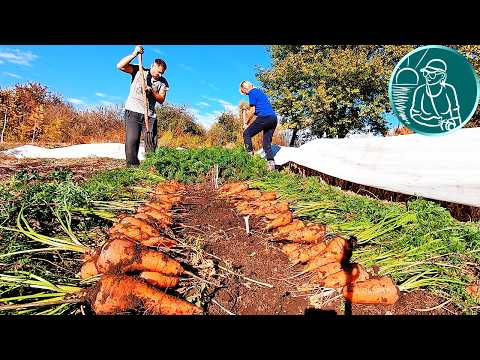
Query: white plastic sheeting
x,y
108,150
443,168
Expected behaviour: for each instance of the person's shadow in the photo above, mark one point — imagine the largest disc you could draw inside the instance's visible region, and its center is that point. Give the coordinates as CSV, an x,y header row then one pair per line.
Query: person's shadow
x,y
346,265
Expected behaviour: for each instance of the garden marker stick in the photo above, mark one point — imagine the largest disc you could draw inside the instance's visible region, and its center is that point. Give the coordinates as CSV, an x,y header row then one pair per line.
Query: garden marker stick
x,y
247,225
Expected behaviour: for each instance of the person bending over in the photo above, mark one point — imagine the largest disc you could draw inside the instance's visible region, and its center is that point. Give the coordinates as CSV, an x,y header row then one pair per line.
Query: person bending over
x,y
266,120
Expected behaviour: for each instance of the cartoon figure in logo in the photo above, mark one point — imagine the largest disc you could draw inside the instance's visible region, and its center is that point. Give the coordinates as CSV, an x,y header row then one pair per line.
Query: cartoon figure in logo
x,y
435,103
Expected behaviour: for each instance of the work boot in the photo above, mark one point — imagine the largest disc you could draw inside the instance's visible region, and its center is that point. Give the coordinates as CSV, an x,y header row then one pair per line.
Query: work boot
x,y
271,165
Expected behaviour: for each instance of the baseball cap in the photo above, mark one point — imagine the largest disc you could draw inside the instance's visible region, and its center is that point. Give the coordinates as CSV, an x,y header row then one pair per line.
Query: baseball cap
x,y
435,65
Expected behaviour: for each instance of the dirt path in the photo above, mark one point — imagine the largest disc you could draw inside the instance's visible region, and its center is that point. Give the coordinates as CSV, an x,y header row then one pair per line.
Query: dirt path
x,y
223,234
221,230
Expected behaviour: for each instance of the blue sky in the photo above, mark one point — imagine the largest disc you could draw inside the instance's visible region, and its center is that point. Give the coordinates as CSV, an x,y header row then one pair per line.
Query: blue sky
x,y
205,78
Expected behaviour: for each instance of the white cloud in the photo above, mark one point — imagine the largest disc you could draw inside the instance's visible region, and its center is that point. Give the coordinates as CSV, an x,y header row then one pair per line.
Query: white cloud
x,y
11,75
107,97
186,67
158,51
228,106
108,103
210,85
75,101
17,56
205,119
208,118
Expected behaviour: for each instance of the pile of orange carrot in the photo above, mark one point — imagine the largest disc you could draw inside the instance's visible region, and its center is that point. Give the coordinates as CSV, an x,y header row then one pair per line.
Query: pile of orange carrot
x,y
326,260
132,272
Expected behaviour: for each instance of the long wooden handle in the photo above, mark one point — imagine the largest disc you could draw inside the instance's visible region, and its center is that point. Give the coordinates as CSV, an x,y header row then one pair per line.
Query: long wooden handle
x,y
144,88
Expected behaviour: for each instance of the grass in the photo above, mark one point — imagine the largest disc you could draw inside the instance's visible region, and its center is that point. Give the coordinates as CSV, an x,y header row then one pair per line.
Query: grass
x,y
419,244
191,166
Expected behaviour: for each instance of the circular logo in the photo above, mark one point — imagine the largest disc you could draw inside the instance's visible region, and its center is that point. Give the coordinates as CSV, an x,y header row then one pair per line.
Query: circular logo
x,y
434,90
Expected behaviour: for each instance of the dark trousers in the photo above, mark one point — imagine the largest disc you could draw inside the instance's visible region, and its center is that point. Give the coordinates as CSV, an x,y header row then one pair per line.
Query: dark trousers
x,y
267,124
134,126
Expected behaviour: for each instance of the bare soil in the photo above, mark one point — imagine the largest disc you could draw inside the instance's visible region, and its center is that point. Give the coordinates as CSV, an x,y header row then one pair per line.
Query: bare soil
x,y
81,168
219,227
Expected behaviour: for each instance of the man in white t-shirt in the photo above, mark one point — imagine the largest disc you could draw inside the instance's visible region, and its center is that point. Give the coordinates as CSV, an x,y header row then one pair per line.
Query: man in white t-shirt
x,y
157,87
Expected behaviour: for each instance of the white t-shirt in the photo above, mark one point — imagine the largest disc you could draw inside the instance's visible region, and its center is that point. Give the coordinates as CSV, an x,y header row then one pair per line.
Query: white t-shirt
x,y
135,101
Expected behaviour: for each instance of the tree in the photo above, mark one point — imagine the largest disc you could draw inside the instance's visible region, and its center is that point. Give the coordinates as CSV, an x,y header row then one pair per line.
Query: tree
x,y
178,120
472,53
227,129
331,90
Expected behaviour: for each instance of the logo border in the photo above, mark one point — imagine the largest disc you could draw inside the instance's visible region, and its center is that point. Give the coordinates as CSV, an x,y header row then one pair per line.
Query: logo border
x,y
390,83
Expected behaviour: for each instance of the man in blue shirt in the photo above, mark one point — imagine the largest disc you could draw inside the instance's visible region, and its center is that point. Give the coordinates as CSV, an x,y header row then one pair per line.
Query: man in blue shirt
x,y
266,120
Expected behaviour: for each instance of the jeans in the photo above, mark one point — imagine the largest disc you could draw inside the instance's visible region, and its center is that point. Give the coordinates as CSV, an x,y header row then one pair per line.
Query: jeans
x,y
134,126
267,124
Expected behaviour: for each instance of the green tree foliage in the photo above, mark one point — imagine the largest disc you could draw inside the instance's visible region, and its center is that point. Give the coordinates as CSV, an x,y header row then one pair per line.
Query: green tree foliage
x,y
334,89
177,120
331,90
472,52
227,129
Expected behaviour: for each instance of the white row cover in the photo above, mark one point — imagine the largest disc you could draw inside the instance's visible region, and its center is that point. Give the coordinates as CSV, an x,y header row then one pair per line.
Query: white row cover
x,y
442,167
108,150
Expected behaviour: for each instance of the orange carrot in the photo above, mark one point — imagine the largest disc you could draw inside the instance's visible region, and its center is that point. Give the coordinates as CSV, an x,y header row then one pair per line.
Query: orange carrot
x,y
308,234
338,246
227,187
171,199
474,291
159,241
158,216
318,261
325,271
88,269
372,291
170,186
293,226
159,280
272,207
248,195
236,189
160,206
289,248
268,196
242,205
132,232
274,216
150,220
160,213
164,189
119,293
343,277
141,224
122,256
306,254
299,250
284,219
